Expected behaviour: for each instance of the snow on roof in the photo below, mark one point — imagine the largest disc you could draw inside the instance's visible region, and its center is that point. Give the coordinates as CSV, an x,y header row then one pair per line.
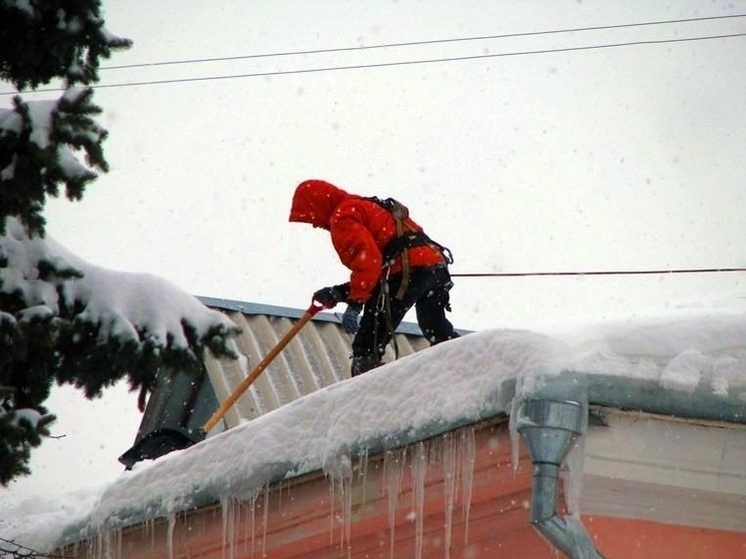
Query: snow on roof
x,y
689,362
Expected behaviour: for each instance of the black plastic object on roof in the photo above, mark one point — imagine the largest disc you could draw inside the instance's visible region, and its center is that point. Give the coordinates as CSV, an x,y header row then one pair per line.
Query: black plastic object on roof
x,y
159,443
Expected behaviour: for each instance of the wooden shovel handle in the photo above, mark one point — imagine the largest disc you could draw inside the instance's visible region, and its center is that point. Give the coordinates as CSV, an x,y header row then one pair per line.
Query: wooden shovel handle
x,y
259,369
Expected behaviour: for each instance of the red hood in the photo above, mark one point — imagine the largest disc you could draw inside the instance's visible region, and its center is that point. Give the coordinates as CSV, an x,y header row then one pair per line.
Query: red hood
x,y
314,202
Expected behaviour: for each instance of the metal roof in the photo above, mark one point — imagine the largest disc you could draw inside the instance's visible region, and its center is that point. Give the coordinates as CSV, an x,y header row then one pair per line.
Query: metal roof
x,y
317,357
247,308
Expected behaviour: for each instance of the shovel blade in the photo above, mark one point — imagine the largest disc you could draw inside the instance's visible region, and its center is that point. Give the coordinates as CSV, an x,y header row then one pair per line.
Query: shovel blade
x,y
159,443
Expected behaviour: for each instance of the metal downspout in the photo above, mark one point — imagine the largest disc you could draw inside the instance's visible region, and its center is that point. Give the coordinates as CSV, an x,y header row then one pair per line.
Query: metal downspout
x,y
549,428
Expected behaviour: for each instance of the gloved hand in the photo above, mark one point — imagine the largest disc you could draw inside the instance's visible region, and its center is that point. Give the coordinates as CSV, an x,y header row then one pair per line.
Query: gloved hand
x,y
330,296
350,317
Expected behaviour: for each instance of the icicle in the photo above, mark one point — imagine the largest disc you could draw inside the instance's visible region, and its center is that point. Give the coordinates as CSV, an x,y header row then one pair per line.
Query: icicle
x,y
102,547
239,504
363,473
118,539
151,528
233,520
252,519
145,528
94,546
170,535
450,475
419,471
393,471
246,506
228,506
108,544
468,450
224,515
266,520
332,500
339,473
346,488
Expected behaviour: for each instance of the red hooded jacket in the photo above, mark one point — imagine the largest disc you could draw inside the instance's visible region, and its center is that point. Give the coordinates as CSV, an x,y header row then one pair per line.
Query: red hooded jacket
x,y
360,230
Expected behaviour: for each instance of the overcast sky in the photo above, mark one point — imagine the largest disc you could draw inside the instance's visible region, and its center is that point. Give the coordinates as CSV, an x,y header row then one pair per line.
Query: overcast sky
x,y
530,153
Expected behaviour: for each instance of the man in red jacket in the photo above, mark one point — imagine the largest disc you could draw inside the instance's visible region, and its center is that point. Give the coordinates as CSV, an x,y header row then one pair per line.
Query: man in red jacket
x,y
393,265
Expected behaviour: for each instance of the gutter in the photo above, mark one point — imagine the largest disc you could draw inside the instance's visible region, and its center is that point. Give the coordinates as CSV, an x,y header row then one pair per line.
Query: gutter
x,y
549,428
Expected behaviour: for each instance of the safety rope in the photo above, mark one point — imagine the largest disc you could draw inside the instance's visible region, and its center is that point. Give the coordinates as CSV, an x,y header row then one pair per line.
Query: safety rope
x,y
383,309
597,273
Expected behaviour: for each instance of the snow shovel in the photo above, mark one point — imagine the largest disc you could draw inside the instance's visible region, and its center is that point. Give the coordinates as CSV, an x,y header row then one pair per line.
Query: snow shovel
x,y
167,439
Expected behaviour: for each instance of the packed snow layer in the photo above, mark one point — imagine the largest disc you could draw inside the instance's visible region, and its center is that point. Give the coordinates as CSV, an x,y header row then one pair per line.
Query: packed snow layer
x,y
688,362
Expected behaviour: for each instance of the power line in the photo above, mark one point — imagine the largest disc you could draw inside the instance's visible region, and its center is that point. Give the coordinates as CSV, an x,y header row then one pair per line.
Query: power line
x,y
400,63
600,273
420,43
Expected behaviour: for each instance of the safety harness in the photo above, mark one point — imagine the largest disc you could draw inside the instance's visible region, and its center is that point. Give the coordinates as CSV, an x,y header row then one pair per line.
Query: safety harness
x,y
406,238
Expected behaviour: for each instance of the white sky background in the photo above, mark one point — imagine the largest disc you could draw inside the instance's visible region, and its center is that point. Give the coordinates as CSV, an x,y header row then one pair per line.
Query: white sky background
x,y
607,159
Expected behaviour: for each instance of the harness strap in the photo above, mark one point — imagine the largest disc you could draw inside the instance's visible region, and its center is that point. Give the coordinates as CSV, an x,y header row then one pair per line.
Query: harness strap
x,y
404,258
410,240
404,240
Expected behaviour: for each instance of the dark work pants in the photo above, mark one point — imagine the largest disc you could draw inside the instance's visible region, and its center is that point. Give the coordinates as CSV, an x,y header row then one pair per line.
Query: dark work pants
x,y
427,291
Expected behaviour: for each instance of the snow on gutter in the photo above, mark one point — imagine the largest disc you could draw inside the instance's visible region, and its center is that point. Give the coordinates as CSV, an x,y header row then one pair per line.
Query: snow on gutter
x,y
691,365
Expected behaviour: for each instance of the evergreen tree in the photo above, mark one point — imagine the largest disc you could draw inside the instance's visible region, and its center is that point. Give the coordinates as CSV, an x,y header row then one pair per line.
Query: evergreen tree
x,y
61,319
41,42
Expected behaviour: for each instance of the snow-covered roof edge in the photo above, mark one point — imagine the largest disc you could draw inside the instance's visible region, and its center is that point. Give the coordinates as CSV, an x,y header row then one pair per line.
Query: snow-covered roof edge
x,y
691,365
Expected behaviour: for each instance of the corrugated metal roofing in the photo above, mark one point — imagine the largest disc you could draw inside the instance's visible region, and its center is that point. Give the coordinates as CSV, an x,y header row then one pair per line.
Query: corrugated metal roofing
x,y
318,356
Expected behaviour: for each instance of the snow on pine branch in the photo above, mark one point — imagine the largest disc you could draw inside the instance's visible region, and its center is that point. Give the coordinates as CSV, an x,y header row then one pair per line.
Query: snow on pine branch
x,y
48,144
128,306
43,119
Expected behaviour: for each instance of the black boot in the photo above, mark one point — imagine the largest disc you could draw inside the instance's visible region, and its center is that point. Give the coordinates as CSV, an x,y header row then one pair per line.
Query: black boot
x,y
363,363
